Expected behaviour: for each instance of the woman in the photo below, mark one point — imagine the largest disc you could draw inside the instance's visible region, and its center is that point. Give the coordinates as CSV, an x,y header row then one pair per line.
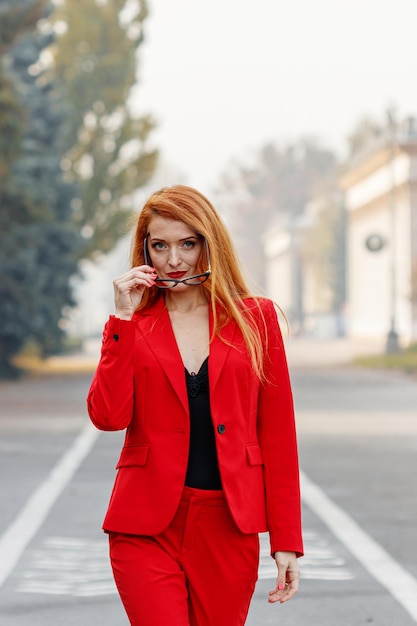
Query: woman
x,y
193,367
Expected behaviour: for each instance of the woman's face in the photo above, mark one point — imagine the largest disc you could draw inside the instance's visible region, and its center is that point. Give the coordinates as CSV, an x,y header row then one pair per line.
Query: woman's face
x,y
174,248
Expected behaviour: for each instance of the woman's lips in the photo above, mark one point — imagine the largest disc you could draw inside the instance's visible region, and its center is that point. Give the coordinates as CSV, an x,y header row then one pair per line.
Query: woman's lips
x,y
176,274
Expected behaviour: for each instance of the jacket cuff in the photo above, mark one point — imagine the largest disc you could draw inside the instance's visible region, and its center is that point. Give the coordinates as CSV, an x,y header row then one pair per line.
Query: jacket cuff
x,y
277,545
119,335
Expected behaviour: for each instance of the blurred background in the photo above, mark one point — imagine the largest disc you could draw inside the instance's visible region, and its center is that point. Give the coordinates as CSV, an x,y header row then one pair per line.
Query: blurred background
x,y
298,120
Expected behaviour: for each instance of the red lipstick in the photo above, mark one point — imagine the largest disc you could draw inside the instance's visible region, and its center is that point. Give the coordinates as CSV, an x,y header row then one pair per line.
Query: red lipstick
x,y
176,275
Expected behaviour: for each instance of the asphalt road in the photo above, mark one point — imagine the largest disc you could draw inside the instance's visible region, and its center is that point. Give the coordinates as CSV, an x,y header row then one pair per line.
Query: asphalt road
x,y
358,444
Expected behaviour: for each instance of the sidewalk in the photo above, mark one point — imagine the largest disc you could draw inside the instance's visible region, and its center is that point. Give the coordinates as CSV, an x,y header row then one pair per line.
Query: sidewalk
x,y
302,352
81,362
311,352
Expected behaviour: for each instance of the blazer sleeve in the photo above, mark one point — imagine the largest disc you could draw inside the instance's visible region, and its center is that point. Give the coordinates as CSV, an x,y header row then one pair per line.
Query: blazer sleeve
x,y
277,436
111,395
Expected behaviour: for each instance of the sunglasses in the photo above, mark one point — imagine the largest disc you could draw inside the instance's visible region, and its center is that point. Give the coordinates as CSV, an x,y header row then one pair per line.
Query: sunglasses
x,y
169,283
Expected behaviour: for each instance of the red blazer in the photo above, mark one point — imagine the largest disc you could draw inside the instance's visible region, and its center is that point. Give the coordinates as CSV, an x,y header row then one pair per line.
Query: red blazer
x,y
140,386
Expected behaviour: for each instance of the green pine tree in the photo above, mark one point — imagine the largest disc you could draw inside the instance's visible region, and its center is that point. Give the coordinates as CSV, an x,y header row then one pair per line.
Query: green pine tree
x,y
38,243
71,154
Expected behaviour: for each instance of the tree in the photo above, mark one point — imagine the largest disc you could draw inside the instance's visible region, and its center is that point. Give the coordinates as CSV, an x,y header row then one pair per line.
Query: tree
x,y
73,155
370,133
37,240
15,18
324,249
96,57
278,185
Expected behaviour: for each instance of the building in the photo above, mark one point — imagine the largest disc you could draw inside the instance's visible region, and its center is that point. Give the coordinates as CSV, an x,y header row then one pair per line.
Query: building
x,y
364,282
305,266
380,196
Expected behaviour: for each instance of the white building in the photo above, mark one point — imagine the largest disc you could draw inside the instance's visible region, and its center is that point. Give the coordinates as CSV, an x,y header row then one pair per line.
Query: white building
x,y
380,194
283,271
300,271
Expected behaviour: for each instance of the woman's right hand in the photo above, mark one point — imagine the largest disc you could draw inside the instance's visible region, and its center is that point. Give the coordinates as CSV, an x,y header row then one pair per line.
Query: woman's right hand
x,y
129,289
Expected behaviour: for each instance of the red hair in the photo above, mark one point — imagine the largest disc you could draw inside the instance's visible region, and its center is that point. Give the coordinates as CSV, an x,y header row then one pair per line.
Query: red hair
x,y
226,286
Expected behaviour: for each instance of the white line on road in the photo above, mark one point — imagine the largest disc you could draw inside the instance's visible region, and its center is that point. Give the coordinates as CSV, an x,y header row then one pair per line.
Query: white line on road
x,y
320,563
22,530
69,566
373,557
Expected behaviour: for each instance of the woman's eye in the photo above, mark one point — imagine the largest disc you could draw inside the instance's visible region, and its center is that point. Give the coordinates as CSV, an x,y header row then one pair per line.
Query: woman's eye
x,y
158,245
189,244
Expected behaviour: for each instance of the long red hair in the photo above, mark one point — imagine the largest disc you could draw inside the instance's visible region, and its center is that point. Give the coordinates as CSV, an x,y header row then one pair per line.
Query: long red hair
x,y
226,286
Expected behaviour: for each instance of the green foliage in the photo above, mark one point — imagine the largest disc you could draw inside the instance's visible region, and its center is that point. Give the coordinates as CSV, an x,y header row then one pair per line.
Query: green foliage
x,y
96,58
405,360
71,155
37,240
15,17
11,120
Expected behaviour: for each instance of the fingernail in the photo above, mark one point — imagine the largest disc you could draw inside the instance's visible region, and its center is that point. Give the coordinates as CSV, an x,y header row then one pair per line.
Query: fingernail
x,y
281,586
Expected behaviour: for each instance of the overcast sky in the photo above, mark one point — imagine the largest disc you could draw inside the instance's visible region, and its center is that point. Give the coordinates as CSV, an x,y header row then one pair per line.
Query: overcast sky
x,y
223,77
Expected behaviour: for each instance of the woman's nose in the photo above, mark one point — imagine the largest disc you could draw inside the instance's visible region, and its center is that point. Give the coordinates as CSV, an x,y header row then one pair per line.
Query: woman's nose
x,y
174,257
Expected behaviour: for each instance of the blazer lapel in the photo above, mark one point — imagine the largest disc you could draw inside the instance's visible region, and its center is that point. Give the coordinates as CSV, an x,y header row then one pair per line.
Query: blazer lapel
x,y
219,349
156,328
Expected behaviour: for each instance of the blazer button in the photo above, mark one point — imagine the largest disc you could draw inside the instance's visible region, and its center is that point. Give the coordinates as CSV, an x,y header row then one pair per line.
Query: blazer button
x,y
221,428
116,337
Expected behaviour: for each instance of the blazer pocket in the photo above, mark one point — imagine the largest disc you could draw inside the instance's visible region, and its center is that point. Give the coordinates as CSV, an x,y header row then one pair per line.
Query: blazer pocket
x,y
253,454
133,455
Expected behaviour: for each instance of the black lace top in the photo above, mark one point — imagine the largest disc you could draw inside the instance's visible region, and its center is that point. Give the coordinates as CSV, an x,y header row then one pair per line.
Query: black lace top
x,y
203,468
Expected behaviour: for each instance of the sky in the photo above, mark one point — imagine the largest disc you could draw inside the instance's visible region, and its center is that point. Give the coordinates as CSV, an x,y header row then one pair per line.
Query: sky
x,y
224,77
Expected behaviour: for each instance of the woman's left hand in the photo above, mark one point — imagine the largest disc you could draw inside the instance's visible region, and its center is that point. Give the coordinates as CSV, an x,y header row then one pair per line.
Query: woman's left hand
x,y
288,577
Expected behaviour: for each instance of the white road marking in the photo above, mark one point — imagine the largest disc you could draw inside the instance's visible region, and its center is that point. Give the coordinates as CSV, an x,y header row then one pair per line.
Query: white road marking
x,y
320,563
398,582
81,568
14,541
70,566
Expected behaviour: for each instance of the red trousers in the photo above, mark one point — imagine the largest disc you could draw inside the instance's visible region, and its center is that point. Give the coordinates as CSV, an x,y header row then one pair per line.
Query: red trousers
x,y
201,571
